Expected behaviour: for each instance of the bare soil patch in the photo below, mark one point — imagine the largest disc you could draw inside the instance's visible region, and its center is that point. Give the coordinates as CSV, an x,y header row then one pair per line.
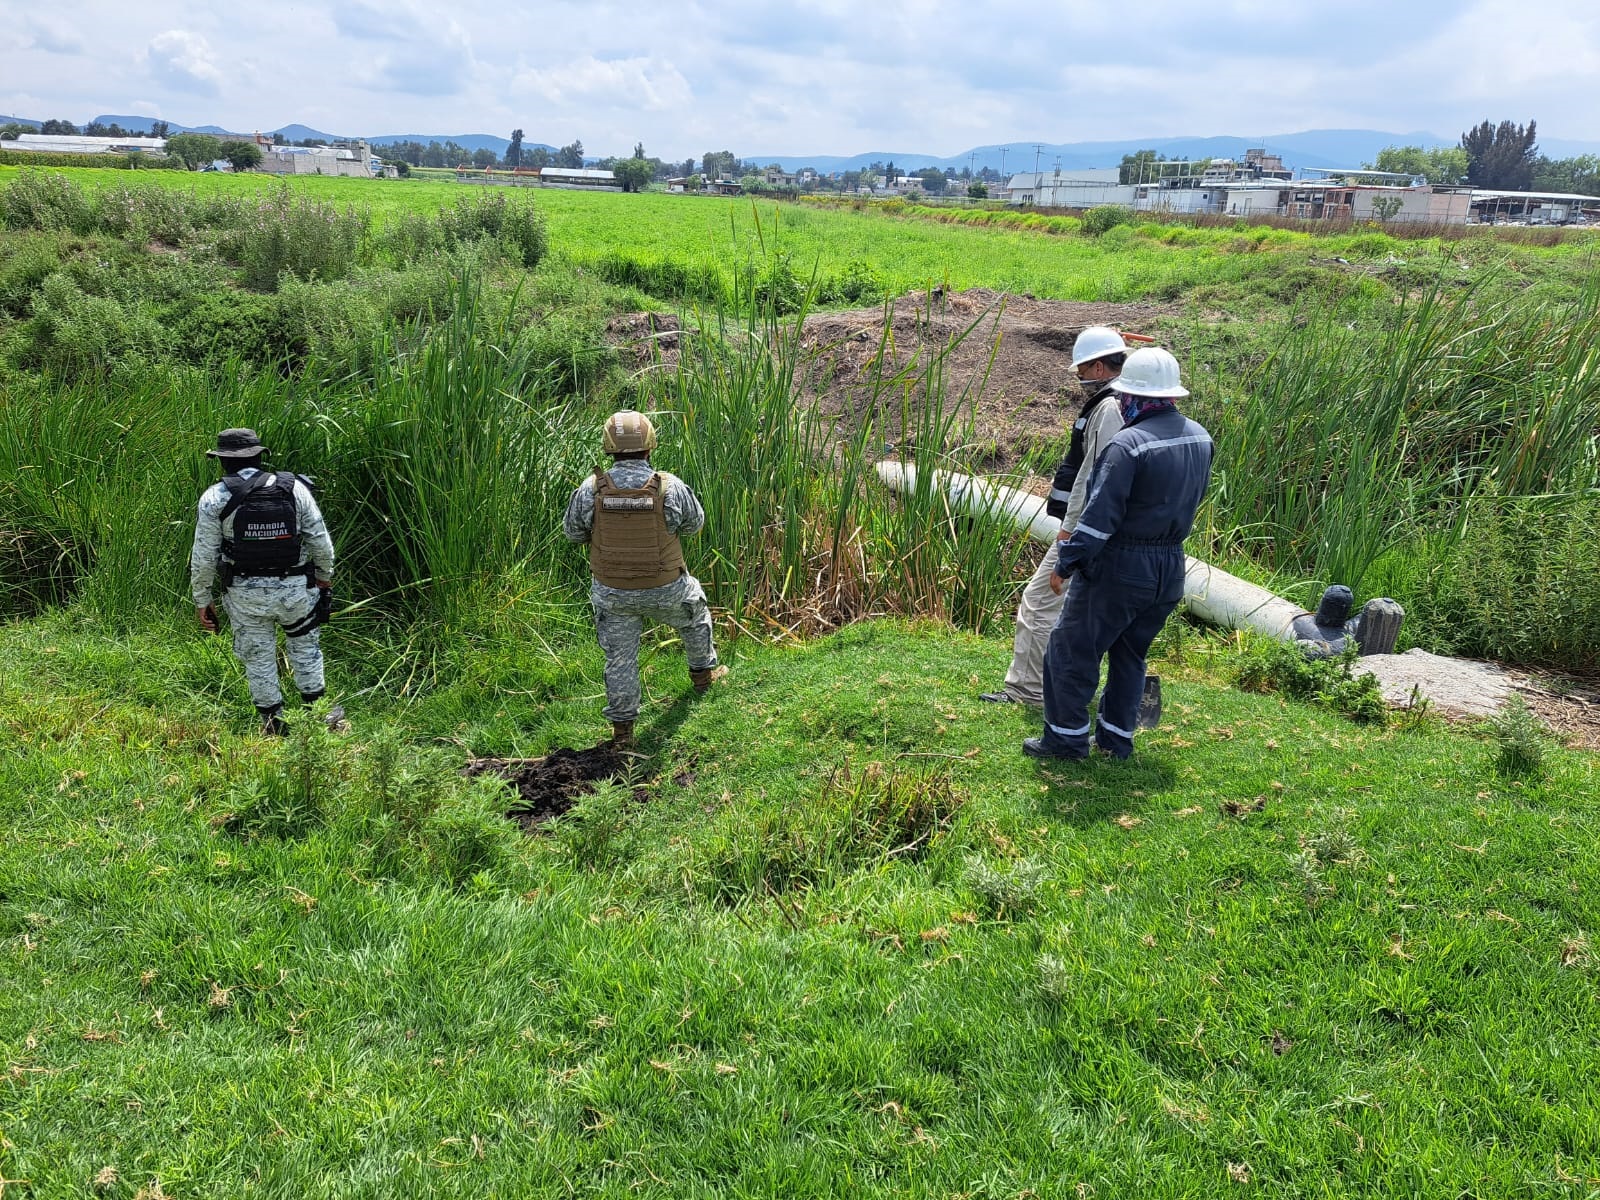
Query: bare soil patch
x,y
1029,391
1018,349
547,787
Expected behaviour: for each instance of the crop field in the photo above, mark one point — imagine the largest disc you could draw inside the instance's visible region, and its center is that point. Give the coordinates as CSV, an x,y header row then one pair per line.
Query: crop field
x,y
1130,262
829,933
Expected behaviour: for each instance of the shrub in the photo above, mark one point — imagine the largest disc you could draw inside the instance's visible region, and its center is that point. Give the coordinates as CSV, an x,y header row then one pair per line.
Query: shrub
x,y
1011,891
1108,216
288,234
515,222
1522,583
216,325
45,201
467,834
146,214
858,283
1520,738
291,795
1274,666
73,334
29,264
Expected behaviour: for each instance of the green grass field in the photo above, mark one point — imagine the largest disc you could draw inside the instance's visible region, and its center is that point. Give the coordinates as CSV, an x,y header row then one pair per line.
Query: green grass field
x,y
1131,262
1276,953
832,935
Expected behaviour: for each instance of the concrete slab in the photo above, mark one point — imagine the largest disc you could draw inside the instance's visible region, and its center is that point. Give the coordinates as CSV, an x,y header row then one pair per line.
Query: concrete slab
x,y
1455,687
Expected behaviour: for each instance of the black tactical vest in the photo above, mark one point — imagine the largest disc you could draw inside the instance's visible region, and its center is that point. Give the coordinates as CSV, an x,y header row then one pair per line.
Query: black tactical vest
x,y
266,524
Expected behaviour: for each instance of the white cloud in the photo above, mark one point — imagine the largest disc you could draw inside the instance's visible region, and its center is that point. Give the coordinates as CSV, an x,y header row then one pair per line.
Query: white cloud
x,y
184,60
51,38
647,83
764,77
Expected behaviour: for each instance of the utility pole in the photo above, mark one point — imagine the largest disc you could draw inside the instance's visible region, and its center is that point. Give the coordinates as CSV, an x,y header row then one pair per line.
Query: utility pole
x,y
1036,153
1003,153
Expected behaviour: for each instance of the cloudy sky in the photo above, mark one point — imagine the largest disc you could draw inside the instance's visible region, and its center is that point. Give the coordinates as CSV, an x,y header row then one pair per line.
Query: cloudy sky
x,y
812,76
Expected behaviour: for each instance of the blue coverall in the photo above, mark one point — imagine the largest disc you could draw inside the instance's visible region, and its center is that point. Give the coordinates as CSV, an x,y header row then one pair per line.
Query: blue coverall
x,y
1125,563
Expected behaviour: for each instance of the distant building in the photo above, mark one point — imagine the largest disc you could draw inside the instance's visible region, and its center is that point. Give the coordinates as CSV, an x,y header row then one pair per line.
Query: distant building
x,y
573,177
1082,187
348,158
61,143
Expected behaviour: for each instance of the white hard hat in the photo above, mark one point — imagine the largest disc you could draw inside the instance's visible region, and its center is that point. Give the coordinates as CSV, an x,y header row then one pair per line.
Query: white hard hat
x,y
1097,341
1150,372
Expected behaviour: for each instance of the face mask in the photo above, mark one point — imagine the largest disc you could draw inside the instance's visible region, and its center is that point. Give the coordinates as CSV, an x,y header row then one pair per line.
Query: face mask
x,y
1130,405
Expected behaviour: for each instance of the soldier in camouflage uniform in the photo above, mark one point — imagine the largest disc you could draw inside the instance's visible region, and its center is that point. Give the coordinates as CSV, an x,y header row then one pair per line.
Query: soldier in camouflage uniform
x,y
632,516
273,571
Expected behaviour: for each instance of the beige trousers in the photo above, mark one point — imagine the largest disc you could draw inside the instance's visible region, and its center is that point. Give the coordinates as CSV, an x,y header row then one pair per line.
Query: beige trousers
x,y
1037,612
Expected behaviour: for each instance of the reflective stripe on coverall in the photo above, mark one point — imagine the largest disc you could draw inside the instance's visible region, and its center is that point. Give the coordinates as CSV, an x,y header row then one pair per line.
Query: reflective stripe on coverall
x,y
1126,565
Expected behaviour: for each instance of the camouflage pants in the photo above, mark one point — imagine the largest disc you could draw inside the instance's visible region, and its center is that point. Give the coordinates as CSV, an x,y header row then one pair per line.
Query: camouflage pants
x,y
619,617
255,610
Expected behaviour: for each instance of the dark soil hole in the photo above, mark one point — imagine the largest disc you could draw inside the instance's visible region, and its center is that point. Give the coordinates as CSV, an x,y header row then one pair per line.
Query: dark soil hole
x,y
546,787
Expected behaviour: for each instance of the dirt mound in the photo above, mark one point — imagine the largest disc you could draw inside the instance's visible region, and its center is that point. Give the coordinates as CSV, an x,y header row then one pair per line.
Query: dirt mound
x,y
645,337
1029,397
547,786
1030,394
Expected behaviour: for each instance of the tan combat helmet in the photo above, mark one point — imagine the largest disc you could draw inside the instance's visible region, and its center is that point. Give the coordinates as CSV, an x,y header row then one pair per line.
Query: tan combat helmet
x,y
629,432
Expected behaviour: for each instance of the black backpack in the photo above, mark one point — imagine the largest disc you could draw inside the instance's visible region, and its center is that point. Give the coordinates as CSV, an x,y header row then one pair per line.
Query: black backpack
x,y
266,525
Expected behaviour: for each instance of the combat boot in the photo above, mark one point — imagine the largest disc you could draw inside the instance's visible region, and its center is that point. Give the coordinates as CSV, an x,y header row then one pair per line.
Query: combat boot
x,y
333,718
622,735
272,722
705,677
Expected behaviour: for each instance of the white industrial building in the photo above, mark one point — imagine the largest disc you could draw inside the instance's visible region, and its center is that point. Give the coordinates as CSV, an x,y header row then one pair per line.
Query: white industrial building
x,y
573,177
353,159
65,143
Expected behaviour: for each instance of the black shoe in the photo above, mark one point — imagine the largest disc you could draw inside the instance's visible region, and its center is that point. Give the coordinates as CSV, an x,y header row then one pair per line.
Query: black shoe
x,y
998,698
1034,748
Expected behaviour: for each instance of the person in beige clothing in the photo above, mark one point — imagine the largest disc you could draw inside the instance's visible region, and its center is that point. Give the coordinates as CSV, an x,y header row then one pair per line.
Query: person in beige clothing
x,y
1097,355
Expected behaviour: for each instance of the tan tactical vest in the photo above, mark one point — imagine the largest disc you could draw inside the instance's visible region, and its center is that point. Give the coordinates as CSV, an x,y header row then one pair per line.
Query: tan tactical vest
x,y
629,546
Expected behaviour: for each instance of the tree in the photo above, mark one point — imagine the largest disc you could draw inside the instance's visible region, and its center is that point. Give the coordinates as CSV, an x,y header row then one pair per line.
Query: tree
x,y
10,131
242,156
1445,165
538,158
933,180
978,190
693,182
720,164
1501,156
194,150
161,129
1140,167
484,158
1580,174
570,155
633,173
1386,207
514,151
59,127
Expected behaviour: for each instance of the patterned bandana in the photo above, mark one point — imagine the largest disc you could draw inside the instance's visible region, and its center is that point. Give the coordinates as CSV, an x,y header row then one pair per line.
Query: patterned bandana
x,y
1134,407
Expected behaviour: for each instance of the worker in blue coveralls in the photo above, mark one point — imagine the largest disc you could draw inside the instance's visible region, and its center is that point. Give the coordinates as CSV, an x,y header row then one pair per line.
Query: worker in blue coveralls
x,y
1125,562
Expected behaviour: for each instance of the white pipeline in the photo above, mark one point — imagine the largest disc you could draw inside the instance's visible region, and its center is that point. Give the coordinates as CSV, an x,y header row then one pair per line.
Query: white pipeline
x,y
1210,594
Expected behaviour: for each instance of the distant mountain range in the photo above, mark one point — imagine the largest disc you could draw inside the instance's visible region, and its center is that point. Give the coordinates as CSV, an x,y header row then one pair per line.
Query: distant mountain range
x,y
1311,148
